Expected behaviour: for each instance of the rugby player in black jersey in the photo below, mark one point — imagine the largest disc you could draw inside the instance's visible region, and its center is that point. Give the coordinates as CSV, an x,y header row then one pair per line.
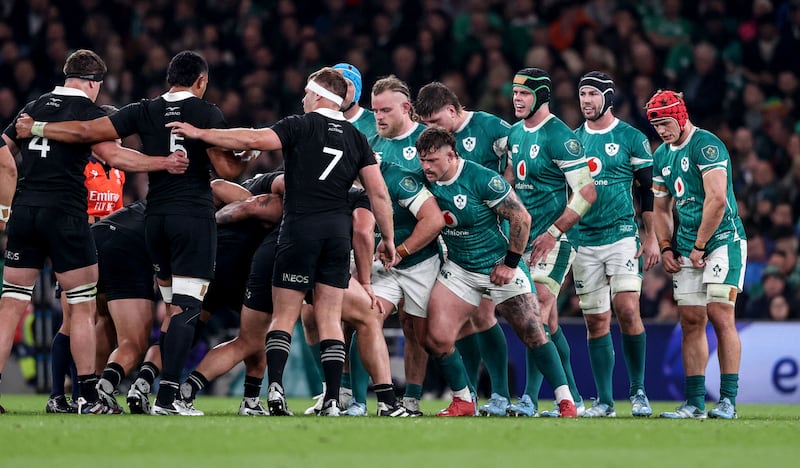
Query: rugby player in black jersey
x,y
49,216
180,227
323,155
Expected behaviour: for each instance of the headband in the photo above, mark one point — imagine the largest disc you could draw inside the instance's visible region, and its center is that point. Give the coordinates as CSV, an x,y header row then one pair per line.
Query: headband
x,y
86,76
317,88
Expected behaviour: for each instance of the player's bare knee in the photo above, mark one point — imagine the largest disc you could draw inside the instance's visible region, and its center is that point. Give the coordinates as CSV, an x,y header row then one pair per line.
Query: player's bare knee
x,y
437,345
693,320
598,325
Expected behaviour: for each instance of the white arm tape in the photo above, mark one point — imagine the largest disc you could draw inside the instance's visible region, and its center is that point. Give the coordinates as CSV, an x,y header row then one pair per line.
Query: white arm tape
x,y
38,129
579,204
5,213
419,200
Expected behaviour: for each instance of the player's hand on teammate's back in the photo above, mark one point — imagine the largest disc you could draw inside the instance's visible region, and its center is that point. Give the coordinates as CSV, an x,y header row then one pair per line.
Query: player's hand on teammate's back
x,y
184,129
177,162
24,124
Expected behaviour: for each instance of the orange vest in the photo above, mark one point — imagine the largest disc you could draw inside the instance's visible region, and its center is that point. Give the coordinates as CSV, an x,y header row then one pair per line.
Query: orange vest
x,y
105,191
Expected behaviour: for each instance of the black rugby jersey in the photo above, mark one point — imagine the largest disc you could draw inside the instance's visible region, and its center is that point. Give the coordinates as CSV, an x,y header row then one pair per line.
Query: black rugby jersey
x,y
323,154
128,219
261,183
244,233
184,194
51,173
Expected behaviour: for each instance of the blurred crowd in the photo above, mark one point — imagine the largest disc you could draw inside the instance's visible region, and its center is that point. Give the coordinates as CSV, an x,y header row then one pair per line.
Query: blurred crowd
x,y
736,62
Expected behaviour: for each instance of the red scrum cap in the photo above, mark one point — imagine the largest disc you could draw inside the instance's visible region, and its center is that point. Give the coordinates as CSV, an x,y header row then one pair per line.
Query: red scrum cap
x,y
666,104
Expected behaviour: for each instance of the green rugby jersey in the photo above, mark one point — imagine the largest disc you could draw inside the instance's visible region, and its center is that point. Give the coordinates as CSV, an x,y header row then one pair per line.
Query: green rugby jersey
x,y
678,171
613,155
400,149
404,187
540,156
364,121
482,138
475,237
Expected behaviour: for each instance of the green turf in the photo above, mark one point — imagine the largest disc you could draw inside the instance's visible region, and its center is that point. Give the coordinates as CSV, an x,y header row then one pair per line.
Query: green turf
x,y
764,435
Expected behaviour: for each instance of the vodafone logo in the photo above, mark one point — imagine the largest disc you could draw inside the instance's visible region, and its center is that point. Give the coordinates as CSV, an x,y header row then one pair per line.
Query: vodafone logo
x,y
450,219
522,170
595,165
680,187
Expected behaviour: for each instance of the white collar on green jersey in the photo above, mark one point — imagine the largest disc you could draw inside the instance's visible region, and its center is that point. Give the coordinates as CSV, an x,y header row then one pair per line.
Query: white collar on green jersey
x,y
357,116
406,135
455,177
613,125
64,91
177,96
330,113
466,122
686,142
541,124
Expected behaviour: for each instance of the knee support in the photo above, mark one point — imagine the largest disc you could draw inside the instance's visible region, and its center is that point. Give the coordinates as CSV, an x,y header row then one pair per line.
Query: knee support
x,y
192,287
551,284
625,283
187,318
723,293
595,302
691,299
82,293
15,291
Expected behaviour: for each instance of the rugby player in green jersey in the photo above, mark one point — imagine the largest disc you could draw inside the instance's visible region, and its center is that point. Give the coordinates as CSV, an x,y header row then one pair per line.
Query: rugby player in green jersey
x,y
407,286
610,254
550,174
692,173
482,138
484,258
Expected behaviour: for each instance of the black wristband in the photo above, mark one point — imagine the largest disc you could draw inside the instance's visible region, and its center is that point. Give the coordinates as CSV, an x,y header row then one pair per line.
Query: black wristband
x,y
512,259
699,249
669,249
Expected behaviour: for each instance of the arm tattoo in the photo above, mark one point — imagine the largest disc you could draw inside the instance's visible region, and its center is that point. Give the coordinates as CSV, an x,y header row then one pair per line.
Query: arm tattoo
x,y
512,209
231,213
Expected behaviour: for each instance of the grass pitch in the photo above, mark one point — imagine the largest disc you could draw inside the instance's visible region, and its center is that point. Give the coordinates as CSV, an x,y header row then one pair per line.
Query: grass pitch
x,y
763,436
